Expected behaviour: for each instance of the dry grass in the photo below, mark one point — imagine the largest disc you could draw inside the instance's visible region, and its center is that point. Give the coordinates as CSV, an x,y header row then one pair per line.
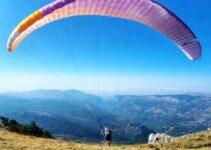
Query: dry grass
x,y
12,141
201,140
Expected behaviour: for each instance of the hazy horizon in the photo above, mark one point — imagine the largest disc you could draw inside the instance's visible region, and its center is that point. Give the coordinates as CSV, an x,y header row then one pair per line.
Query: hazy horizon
x,y
109,94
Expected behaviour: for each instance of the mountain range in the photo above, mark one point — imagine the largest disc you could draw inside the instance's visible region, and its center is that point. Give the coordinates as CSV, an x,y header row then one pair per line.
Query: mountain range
x,y
72,114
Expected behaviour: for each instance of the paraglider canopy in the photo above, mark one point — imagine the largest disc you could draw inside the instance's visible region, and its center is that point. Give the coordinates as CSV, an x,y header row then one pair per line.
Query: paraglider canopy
x,y
147,12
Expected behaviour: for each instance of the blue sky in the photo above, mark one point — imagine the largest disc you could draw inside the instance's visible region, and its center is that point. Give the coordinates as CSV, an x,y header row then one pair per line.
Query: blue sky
x,y
104,55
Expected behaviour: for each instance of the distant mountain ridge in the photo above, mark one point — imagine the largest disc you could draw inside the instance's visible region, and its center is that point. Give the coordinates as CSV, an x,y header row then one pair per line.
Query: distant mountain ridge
x,y
70,114
174,114
73,114
57,94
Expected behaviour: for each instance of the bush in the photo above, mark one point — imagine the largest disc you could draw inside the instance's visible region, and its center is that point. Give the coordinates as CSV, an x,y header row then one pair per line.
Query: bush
x,y
26,129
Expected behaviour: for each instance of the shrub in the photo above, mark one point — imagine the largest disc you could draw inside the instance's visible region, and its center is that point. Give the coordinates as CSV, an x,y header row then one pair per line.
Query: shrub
x,y
27,129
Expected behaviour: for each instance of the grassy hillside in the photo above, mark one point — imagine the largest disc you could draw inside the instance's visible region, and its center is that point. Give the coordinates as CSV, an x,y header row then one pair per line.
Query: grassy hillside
x,y
13,141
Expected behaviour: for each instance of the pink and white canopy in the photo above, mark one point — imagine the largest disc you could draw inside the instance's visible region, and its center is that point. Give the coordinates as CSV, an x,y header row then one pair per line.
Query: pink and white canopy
x,y
147,12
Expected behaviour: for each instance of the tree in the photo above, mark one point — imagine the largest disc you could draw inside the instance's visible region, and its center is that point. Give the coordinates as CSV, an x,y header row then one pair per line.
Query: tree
x,y
4,121
27,129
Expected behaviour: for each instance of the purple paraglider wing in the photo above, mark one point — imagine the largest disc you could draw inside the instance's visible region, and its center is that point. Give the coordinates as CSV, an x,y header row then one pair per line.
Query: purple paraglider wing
x,y
147,12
